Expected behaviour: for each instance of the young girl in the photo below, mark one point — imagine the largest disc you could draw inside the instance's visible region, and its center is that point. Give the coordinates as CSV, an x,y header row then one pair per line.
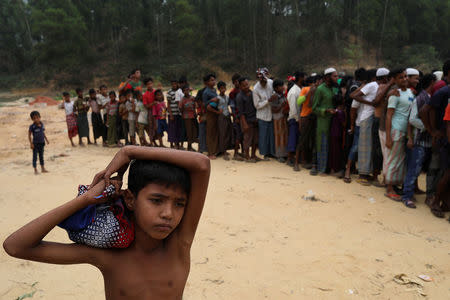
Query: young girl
x,y
71,120
111,119
278,106
165,197
175,118
337,137
187,109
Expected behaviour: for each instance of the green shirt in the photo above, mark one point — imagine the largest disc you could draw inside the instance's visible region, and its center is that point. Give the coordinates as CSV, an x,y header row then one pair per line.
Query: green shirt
x,y
323,100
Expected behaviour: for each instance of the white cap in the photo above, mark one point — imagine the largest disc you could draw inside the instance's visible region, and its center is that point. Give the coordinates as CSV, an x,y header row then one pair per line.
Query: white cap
x,y
329,71
438,75
313,74
412,72
382,72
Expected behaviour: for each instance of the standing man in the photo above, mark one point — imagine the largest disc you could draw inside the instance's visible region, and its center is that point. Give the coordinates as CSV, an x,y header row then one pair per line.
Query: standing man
x,y
262,96
293,129
210,101
323,108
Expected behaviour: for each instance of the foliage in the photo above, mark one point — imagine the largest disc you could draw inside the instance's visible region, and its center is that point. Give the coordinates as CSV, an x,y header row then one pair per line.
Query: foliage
x,y
74,41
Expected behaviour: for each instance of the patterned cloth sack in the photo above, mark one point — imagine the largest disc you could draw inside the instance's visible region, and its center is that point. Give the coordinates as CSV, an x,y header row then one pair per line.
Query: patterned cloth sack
x,y
103,225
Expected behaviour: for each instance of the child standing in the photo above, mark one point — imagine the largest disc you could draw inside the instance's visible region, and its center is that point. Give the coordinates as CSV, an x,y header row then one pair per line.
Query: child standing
x,y
142,122
224,122
149,101
111,118
37,129
187,109
237,132
161,115
175,119
337,137
71,120
131,108
123,113
81,108
96,118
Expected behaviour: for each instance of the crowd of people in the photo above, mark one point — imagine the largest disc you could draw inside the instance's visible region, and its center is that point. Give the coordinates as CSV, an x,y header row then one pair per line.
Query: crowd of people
x,y
377,122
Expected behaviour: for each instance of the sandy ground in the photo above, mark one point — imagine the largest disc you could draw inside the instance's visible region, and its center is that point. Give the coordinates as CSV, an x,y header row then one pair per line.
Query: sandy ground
x,y
257,239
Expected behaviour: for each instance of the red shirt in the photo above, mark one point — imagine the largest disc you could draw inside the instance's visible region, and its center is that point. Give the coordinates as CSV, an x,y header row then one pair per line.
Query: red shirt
x,y
437,86
447,113
148,98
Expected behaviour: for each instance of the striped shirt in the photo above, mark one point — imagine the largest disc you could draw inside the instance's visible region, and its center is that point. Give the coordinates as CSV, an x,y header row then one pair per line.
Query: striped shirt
x,y
172,103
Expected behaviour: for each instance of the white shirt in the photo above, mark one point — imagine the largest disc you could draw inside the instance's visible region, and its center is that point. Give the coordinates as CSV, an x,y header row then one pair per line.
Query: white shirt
x,y
292,97
356,104
179,95
102,100
129,106
68,107
143,113
370,92
261,97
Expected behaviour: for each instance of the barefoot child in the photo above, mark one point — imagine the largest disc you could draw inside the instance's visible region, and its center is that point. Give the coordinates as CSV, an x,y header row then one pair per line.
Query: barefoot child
x,y
187,109
37,129
71,119
161,115
165,195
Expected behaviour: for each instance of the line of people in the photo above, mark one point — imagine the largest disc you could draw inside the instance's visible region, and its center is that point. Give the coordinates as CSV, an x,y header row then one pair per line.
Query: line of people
x,y
378,122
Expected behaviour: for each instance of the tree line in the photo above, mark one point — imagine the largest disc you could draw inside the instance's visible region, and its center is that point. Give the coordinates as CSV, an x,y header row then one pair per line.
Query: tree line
x,y
72,41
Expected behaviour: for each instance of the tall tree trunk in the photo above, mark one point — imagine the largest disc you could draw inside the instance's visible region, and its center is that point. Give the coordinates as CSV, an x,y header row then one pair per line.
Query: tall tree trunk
x,y
380,45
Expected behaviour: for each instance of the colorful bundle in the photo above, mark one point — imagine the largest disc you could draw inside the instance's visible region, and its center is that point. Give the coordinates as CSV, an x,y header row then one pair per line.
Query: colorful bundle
x,y
100,225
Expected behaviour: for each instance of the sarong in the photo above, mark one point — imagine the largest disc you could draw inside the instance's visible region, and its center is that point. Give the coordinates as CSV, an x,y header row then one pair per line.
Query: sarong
x,y
250,137
152,126
377,155
305,142
266,139
175,128
225,133
280,131
98,126
336,153
112,130
293,135
395,162
212,134
191,130
82,124
202,137
322,151
384,149
365,147
72,129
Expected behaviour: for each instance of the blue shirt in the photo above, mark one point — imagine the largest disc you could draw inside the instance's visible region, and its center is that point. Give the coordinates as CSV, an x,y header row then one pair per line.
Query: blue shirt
x,y
208,94
38,133
402,106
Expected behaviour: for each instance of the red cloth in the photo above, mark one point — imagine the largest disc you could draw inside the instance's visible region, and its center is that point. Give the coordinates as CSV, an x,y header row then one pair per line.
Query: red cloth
x,y
437,86
148,98
447,113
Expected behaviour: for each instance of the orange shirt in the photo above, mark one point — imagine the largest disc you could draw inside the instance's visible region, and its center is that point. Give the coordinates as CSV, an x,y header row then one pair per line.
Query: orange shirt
x,y
447,113
306,109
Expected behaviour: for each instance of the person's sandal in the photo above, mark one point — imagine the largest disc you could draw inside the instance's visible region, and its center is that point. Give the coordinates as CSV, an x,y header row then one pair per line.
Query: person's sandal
x,y
394,197
363,181
409,203
437,212
347,179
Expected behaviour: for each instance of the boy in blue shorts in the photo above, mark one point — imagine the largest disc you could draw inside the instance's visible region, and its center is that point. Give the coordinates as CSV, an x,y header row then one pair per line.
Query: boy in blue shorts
x,y
37,129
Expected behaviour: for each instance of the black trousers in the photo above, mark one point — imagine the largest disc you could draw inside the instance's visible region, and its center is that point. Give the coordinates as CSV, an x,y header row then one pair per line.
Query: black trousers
x,y
38,150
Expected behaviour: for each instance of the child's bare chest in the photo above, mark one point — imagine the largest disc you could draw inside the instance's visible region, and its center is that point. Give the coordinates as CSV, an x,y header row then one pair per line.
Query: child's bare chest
x,y
155,277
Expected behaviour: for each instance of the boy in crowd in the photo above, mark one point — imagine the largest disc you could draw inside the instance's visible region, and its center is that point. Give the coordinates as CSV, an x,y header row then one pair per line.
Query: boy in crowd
x,y
97,123
248,120
237,132
165,196
210,100
142,121
188,112
123,114
112,110
149,102
225,129
37,144
81,108
102,100
396,128
71,120
293,117
175,119
131,108
160,115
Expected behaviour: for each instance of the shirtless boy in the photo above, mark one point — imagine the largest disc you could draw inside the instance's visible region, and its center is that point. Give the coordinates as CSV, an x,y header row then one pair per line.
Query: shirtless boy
x,y
166,192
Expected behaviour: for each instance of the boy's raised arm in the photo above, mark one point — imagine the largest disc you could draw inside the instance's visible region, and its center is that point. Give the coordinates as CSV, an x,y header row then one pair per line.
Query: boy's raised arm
x,y
26,243
198,166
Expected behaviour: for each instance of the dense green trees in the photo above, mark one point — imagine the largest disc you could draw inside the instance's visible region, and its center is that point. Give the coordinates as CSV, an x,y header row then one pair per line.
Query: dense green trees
x,y
81,38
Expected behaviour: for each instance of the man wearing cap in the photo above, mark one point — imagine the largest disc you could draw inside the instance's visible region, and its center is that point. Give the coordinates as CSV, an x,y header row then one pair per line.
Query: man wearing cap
x,y
323,108
413,79
262,96
370,158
